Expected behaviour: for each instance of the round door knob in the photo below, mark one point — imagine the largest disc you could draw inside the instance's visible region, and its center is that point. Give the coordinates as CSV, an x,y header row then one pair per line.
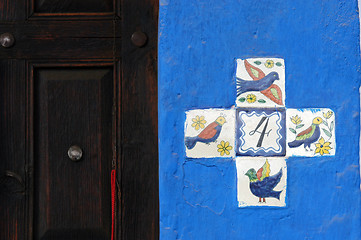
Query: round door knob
x,y
12,183
75,153
7,40
139,39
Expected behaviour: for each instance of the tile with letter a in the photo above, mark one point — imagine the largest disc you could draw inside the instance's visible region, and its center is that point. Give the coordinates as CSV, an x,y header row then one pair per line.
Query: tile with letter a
x,y
260,132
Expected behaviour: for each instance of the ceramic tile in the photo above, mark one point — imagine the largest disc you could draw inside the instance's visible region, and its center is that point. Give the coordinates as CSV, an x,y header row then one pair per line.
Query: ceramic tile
x,y
310,132
261,181
260,82
210,133
260,132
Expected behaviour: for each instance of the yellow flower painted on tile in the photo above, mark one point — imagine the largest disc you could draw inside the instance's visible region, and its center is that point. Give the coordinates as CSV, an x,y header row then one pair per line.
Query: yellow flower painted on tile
x,y
322,147
328,114
296,119
224,148
269,64
198,122
251,98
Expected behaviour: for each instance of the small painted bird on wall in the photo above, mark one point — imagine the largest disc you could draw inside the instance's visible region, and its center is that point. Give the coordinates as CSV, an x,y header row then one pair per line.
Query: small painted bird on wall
x,y
260,85
261,82
209,134
308,136
261,184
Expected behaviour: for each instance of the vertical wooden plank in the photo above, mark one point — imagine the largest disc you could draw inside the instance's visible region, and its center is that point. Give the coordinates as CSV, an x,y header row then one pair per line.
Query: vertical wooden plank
x,y
139,181
12,148
13,10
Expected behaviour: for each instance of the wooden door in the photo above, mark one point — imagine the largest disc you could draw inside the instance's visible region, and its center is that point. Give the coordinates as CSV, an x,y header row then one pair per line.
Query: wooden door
x,y
78,76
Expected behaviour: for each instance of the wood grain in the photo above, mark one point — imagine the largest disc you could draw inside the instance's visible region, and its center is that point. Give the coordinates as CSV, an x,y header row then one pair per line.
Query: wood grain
x,y
40,117
12,147
140,149
73,106
65,6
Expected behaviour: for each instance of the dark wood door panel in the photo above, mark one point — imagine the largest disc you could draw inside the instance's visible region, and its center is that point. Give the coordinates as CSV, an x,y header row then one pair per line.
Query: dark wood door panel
x,y
13,10
12,148
75,77
140,215
63,39
20,10
72,6
39,48
73,106
53,29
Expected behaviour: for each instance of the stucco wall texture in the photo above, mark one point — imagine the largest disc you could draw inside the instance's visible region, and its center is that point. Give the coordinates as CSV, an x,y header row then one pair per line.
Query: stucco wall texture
x,y
198,44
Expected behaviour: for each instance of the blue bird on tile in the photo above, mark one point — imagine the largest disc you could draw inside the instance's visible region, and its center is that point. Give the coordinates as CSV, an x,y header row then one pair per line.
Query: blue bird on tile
x,y
259,85
262,185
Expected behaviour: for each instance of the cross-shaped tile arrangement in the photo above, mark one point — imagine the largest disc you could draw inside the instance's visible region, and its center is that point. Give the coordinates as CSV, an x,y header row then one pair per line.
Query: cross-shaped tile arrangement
x,y
260,132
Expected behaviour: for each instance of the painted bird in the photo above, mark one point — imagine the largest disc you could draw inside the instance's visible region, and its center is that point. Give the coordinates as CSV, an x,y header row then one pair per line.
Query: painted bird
x,y
209,134
308,136
259,85
261,184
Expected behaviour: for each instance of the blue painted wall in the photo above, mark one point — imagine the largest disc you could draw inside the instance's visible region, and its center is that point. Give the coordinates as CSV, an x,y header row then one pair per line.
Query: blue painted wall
x,y
198,42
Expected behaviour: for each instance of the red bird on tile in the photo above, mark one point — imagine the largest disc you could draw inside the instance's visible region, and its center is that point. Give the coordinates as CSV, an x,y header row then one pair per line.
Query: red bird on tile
x,y
209,134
